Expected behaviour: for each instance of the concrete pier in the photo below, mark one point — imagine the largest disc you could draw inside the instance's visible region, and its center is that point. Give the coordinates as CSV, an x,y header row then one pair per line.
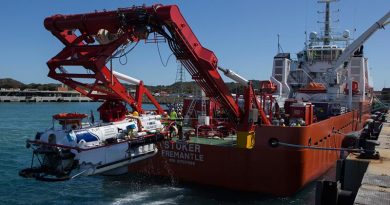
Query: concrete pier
x,y
362,178
375,185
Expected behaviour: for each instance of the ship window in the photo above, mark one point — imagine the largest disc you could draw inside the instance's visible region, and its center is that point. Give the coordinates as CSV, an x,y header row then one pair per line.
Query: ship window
x,y
278,63
355,70
309,55
278,70
317,55
52,139
334,54
355,63
326,54
278,77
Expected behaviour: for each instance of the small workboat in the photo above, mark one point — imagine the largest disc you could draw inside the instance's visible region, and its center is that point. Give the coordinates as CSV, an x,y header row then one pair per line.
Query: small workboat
x,y
75,146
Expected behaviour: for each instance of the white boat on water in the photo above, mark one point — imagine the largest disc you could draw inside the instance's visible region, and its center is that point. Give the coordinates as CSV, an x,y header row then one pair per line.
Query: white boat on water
x,y
73,147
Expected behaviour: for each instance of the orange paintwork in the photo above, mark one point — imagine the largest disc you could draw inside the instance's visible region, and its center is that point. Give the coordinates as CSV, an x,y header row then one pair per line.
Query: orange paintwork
x,y
313,87
279,171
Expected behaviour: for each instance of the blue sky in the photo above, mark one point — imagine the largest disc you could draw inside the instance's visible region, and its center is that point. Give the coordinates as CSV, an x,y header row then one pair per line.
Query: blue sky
x,y
243,35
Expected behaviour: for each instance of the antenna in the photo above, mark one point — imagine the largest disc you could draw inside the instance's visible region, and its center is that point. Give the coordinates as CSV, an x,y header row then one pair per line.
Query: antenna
x,y
306,8
327,28
327,24
305,38
279,46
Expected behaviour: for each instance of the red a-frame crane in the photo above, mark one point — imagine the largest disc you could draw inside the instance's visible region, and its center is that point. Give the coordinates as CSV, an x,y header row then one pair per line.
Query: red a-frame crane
x,y
91,39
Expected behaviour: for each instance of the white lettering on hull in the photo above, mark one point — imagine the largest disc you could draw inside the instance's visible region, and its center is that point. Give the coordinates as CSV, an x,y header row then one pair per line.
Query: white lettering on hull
x,y
182,153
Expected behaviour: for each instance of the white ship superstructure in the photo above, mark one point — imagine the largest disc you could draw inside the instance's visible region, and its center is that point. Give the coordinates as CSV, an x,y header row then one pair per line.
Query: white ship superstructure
x,y
331,68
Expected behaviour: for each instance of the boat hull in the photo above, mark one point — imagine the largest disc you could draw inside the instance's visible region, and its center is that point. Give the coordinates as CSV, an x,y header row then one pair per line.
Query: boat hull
x,y
279,171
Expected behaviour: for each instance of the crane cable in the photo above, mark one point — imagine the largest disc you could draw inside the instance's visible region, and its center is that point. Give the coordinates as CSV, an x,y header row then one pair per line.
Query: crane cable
x,y
159,54
122,53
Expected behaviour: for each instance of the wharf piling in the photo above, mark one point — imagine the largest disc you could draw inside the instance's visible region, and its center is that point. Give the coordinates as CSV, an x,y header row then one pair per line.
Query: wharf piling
x,y
362,178
375,185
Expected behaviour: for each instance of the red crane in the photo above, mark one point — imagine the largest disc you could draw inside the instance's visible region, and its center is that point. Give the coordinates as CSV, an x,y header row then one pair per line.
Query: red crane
x,y
91,39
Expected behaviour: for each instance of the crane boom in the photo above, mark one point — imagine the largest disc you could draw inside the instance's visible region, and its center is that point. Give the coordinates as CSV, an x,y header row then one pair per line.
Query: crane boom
x,y
91,39
126,78
234,76
349,50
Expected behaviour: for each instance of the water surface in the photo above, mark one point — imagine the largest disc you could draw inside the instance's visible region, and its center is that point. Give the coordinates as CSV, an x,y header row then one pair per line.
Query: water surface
x,y
20,121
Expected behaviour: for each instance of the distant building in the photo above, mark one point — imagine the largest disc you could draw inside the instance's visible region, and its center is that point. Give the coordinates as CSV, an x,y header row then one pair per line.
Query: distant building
x,y
378,94
63,88
164,94
35,95
385,95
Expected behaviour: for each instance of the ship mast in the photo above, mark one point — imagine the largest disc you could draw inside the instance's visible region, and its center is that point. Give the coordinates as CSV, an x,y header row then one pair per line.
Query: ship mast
x,y
327,29
327,24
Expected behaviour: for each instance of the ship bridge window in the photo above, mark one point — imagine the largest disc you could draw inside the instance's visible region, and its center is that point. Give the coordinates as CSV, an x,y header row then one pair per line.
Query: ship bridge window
x,y
355,63
278,62
315,54
327,55
278,77
355,70
278,70
335,54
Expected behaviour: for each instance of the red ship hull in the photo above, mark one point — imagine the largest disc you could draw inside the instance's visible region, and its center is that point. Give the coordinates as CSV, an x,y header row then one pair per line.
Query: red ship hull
x,y
279,171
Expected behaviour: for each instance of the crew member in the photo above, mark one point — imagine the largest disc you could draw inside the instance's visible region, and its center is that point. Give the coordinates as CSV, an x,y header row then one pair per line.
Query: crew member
x,y
281,122
179,119
173,115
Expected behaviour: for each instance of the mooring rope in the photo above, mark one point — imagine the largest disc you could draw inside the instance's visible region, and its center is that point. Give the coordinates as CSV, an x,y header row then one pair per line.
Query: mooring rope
x,y
320,148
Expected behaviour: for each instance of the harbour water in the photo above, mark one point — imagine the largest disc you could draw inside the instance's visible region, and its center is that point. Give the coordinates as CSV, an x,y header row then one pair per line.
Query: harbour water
x,y
20,121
